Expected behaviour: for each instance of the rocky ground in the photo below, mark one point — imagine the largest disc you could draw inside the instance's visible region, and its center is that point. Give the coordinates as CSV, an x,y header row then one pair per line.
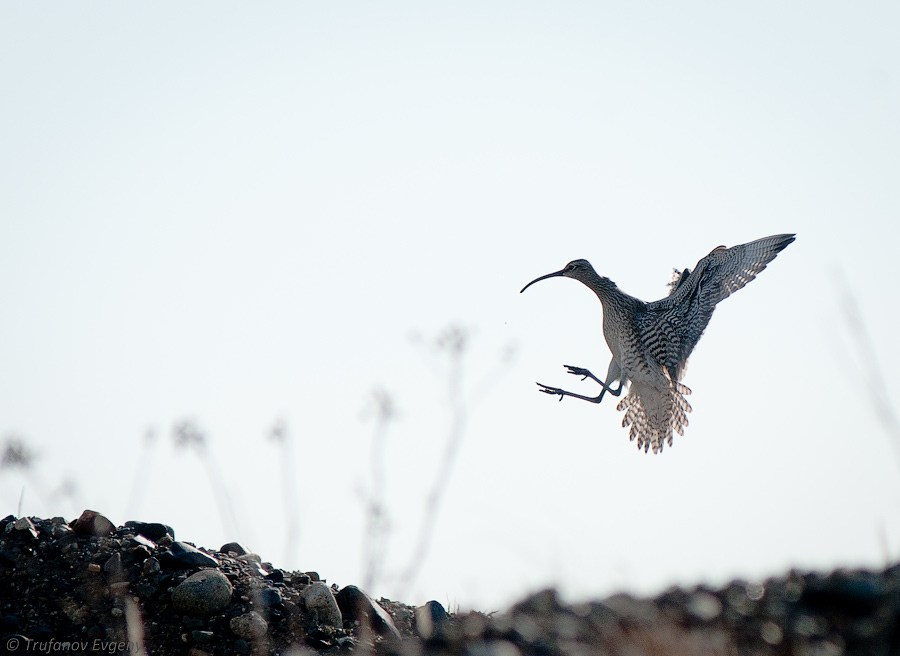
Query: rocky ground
x,y
87,586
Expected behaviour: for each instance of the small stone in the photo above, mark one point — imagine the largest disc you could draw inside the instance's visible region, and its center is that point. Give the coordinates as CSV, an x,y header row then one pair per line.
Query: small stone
x,y
203,637
313,576
321,602
142,541
755,591
93,523
771,633
139,554
241,646
234,547
808,626
267,597
358,606
704,606
430,619
249,626
119,588
251,558
346,643
113,568
152,566
151,530
63,534
22,528
276,576
203,594
95,568
181,555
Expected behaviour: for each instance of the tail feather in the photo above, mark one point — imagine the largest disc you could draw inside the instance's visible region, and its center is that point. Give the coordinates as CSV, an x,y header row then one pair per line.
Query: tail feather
x,y
654,413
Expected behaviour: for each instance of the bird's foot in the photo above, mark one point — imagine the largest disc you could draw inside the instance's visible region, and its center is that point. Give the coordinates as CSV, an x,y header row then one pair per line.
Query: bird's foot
x,y
546,389
580,371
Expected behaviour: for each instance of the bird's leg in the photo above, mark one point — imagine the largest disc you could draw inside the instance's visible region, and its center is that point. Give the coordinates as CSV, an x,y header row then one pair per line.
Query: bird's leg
x,y
579,371
612,374
555,390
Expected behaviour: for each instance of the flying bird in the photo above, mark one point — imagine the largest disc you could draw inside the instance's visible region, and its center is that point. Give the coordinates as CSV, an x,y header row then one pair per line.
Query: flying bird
x,y
651,342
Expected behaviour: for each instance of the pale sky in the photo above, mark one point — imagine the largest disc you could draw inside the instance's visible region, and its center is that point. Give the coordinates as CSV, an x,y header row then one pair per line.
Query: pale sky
x,y
241,214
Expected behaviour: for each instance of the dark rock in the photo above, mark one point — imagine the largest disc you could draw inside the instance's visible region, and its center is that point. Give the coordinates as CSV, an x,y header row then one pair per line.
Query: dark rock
x,y
249,626
151,530
63,535
41,633
276,576
113,569
152,566
321,603
202,594
9,624
139,554
59,585
93,523
252,558
22,528
431,619
234,547
267,597
181,555
347,643
356,605
853,593
139,540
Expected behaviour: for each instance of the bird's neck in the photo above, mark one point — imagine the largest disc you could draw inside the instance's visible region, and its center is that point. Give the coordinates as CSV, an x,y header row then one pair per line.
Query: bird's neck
x,y
605,289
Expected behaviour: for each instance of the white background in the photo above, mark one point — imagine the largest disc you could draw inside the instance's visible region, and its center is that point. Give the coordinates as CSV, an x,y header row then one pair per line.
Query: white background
x,y
242,214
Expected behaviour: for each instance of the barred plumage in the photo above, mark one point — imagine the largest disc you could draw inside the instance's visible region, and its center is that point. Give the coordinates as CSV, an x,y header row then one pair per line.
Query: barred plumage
x,y
651,342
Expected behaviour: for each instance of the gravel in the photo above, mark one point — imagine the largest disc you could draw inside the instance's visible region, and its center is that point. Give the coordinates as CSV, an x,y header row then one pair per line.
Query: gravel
x,y
86,586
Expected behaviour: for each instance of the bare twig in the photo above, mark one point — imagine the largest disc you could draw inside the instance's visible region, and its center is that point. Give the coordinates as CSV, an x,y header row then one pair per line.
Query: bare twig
x,y
873,377
17,455
452,341
143,467
377,523
280,435
188,436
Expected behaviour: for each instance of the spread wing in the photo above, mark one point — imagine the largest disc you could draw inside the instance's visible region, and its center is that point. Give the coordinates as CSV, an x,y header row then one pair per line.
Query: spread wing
x,y
671,327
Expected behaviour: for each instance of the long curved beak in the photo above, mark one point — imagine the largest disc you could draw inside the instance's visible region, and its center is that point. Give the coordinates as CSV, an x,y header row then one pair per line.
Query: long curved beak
x,y
549,275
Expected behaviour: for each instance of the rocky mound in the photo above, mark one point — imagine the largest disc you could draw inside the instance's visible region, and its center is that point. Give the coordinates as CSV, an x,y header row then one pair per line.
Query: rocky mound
x,y
89,587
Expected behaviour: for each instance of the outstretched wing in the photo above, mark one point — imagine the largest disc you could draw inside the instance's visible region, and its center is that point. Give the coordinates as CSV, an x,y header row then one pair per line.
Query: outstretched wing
x,y
672,326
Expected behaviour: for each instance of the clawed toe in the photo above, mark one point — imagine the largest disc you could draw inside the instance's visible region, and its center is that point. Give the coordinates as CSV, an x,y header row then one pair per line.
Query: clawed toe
x,y
578,371
551,390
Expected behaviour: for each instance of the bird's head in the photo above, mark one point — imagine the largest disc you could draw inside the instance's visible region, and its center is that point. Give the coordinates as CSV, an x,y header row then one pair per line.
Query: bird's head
x,y
577,269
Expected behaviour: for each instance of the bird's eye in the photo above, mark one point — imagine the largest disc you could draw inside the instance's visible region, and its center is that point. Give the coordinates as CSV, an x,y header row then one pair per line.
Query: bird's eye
x,y
570,267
